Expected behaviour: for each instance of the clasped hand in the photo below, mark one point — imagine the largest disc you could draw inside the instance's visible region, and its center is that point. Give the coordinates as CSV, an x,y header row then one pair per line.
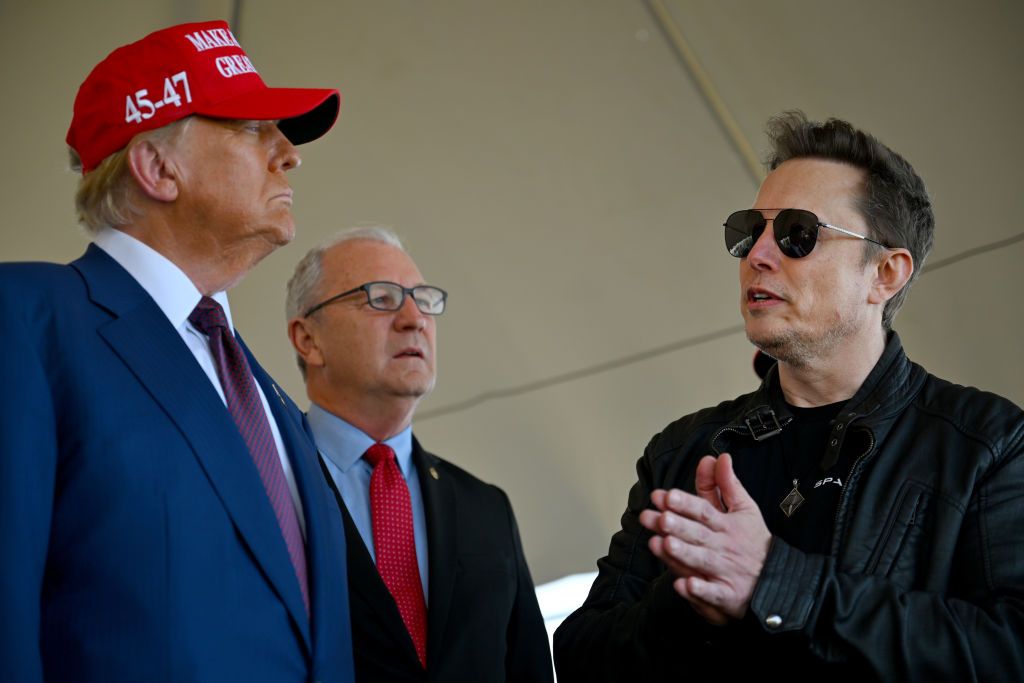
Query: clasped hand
x,y
714,542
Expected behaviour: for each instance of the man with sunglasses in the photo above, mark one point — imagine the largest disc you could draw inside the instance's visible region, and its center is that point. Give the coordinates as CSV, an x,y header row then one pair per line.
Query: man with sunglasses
x,y
439,584
855,518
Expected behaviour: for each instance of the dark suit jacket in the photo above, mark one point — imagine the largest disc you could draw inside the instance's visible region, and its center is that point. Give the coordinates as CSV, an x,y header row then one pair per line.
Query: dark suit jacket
x,y
484,624
137,540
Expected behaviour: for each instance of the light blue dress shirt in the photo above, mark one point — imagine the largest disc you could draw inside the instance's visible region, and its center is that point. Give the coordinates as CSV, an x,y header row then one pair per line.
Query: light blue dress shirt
x,y
342,446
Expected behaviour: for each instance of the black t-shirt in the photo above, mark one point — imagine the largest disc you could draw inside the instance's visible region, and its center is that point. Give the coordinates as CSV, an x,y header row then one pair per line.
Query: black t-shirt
x,y
796,454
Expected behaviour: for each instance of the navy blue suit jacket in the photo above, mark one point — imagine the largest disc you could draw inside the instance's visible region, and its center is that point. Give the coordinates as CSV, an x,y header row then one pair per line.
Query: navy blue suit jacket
x,y
136,539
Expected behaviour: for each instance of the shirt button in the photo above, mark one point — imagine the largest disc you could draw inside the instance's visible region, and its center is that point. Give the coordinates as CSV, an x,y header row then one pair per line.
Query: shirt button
x,y
773,621
839,427
833,442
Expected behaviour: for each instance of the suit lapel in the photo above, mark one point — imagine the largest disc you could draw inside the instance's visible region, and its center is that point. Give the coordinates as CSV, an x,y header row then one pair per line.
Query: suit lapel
x,y
439,506
325,567
367,586
152,349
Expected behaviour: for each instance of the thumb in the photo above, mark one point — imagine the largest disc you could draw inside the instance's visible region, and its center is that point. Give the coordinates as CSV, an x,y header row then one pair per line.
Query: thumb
x,y
704,482
733,494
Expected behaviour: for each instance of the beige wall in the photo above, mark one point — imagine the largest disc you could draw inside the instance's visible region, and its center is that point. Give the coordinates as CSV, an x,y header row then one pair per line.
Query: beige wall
x,y
553,165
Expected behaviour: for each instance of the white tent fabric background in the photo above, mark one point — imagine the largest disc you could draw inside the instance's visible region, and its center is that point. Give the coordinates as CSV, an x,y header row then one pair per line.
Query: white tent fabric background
x,y
554,165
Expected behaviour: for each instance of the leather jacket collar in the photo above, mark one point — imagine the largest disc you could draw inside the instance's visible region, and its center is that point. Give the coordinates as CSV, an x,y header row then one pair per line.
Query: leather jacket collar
x,y
890,385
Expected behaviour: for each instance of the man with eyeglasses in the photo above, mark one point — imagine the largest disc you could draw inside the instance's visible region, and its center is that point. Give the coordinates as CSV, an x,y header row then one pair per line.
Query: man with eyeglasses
x,y
855,518
439,584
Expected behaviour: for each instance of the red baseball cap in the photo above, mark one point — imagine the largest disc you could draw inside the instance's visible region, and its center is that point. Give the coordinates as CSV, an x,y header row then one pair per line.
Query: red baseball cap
x,y
188,69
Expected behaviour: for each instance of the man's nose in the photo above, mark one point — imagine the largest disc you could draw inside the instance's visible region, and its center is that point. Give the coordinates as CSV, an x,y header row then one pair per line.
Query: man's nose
x,y
285,156
409,316
765,253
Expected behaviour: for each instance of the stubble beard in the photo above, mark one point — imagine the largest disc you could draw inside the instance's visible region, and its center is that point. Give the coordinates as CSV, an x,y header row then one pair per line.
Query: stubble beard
x,y
799,349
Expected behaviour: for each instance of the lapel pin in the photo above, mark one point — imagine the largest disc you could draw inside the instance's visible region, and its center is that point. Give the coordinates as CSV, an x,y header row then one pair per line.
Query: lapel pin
x,y
433,473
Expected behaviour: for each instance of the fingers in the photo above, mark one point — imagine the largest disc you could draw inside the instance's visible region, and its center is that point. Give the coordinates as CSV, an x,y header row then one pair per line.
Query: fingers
x,y
693,557
709,612
689,524
674,527
692,507
657,547
705,484
696,591
714,542
734,495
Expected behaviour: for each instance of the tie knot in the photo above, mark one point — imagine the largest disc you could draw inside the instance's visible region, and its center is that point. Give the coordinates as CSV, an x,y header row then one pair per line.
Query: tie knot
x,y
379,452
207,316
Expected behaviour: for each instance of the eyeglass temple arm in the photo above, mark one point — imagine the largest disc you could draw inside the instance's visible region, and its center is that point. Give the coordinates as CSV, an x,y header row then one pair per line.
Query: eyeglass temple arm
x,y
329,301
851,234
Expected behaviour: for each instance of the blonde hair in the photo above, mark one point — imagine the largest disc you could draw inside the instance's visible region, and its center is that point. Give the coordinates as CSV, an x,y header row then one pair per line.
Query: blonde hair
x,y
107,194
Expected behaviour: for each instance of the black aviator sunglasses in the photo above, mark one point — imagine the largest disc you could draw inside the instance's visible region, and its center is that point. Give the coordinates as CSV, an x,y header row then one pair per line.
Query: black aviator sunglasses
x,y
795,231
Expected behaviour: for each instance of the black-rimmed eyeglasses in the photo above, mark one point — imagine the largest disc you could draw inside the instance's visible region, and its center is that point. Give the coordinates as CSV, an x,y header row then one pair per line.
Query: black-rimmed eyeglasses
x,y
795,231
389,296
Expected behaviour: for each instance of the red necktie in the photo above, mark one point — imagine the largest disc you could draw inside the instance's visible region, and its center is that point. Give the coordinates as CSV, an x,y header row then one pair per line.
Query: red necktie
x,y
395,543
246,409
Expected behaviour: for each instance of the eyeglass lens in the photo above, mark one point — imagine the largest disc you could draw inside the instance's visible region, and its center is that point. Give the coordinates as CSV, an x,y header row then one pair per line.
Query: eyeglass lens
x,y
388,296
795,231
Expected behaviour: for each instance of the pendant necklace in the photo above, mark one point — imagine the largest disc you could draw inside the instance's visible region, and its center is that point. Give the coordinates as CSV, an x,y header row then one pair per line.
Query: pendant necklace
x,y
793,500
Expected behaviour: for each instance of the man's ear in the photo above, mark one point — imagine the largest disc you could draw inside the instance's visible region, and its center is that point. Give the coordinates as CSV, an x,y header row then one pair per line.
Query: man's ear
x,y
892,271
153,170
301,333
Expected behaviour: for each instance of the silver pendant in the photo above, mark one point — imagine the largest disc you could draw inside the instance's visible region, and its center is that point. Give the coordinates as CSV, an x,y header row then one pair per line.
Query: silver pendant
x,y
792,501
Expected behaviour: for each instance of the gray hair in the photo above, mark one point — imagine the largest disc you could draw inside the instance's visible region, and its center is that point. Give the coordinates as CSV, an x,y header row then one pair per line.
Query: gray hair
x,y
304,285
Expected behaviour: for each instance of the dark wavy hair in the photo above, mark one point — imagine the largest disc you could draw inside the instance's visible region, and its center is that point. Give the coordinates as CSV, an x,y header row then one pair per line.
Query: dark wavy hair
x,y
895,202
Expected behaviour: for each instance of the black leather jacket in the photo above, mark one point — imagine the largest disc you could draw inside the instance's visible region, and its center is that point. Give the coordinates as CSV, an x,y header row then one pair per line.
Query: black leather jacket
x,y
925,578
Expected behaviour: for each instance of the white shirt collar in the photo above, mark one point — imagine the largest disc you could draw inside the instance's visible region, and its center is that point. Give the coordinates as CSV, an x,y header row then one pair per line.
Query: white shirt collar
x,y
165,282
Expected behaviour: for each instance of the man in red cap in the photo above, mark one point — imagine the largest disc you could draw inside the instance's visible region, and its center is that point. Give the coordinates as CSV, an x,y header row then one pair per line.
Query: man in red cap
x,y
162,513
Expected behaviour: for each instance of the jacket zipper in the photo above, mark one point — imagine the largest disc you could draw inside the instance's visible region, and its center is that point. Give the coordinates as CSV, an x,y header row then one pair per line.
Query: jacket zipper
x,y
741,430
846,489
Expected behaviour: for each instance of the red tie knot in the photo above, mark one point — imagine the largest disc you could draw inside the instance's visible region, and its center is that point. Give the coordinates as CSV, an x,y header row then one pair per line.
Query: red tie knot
x,y
379,452
207,316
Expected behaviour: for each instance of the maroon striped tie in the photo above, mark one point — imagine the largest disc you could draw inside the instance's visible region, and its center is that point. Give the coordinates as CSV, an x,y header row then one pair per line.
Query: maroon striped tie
x,y
395,543
246,409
